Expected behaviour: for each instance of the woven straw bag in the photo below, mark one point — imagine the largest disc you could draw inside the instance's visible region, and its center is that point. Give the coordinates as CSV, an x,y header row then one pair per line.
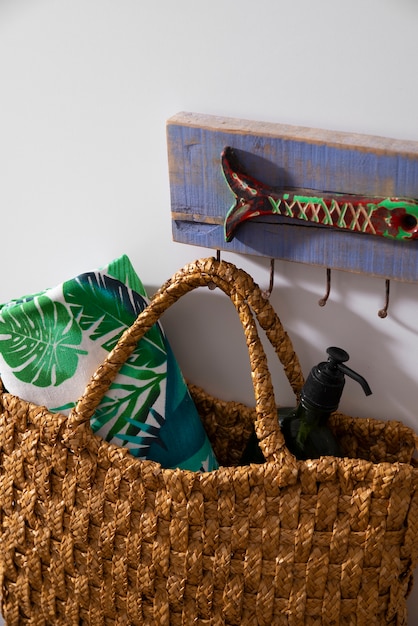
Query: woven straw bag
x,y
91,535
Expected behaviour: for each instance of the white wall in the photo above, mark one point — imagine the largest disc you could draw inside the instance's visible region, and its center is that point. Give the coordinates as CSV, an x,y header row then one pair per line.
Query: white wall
x,y
86,87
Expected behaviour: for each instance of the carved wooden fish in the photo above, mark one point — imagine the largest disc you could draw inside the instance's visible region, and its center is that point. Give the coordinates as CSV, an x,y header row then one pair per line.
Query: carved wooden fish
x,y
395,218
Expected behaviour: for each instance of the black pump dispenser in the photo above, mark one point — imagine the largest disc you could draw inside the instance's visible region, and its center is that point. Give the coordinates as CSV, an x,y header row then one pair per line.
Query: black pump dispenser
x,y
325,383
305,427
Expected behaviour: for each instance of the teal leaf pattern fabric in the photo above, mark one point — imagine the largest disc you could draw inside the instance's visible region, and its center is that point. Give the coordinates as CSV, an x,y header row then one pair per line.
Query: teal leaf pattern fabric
x,y
52,342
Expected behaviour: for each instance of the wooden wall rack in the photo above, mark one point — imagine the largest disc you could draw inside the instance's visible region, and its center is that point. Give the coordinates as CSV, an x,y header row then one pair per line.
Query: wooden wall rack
x,y
309,158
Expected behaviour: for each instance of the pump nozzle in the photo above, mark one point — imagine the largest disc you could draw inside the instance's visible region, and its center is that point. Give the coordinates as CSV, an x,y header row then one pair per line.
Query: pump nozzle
x,y
325,383
337,357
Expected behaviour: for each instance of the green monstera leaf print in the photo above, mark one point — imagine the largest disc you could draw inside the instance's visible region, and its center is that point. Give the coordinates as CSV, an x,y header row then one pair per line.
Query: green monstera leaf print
x,y
40,341
104,307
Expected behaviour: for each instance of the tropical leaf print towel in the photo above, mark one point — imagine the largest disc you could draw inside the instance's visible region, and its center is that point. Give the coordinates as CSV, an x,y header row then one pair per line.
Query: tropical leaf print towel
x,y
52,342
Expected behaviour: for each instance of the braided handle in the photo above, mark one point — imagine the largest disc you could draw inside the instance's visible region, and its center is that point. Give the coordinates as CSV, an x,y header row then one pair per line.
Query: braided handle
x,y
246,296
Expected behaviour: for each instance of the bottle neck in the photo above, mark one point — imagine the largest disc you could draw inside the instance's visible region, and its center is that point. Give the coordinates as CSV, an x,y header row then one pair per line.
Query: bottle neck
x,y
310,418
311,413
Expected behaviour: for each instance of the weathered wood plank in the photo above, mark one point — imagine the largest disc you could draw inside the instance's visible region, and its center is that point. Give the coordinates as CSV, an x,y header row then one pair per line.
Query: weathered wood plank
x,y
281,155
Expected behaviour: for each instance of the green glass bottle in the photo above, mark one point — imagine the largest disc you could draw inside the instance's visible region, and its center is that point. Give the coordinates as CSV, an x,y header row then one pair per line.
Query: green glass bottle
x,y
305,427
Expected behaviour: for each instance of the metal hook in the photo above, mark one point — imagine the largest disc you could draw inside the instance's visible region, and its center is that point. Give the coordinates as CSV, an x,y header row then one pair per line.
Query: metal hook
x,y
212,285
323,300
384,312
267,293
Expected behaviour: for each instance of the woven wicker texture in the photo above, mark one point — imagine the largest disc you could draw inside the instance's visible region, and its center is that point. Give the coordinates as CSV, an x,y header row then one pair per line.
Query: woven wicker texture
x,y
91,535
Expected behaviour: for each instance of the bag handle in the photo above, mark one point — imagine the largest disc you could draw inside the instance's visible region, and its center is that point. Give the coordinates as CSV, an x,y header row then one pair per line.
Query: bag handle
x,y
246,296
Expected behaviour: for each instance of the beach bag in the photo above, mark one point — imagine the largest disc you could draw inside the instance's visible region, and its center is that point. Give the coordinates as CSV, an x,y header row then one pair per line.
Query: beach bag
x,y
90,535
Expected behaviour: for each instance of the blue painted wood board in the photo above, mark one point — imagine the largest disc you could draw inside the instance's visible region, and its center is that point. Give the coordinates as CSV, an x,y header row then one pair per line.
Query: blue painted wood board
x,y
283,155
